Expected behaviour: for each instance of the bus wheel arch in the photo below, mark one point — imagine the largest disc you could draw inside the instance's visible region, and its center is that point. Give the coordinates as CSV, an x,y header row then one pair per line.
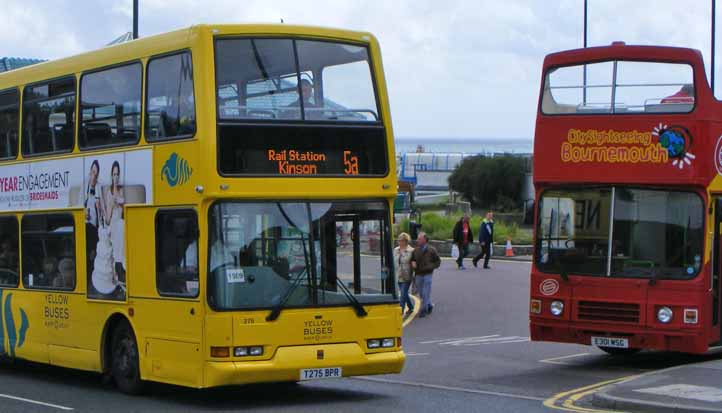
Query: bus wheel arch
x,y
120,354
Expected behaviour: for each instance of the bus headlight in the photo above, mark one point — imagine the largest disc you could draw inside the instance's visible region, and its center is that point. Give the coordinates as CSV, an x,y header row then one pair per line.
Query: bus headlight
x,y
248,351
557,308
381,342
388,342
664,315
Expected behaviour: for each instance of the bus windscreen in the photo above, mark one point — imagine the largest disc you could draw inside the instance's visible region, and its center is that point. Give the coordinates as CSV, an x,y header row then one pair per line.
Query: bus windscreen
x,y
286,79
653,233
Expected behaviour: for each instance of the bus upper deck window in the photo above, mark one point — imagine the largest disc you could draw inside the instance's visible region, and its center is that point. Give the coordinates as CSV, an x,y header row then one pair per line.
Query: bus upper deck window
x,y
170,103
49,117
110,106
287,79
9,122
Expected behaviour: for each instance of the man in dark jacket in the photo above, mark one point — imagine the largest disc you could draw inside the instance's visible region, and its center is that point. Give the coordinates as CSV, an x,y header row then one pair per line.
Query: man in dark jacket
x,y
424,260
463,236
486,238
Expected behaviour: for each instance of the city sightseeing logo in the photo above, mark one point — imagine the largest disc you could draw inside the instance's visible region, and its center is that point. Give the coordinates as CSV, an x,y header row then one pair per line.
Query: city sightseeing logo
x,y
677,140
176,170
662,144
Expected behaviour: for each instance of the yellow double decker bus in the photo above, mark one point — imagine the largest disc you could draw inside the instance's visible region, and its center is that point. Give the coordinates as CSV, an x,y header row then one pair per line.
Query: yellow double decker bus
x,y
205,207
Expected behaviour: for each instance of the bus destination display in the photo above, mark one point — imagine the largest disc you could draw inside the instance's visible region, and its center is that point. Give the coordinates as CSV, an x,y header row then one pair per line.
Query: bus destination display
x,y
294,162
308,151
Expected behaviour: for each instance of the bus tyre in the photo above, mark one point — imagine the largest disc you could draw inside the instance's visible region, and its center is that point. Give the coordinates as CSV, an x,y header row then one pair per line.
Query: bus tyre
x,y
125,367
620,351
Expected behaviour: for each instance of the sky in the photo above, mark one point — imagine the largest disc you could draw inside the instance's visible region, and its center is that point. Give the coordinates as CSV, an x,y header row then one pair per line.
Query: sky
x,y
458,68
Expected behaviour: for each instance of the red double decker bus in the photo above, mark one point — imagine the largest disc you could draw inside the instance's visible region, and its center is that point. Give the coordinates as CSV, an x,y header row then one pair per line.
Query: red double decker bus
x,y
628,178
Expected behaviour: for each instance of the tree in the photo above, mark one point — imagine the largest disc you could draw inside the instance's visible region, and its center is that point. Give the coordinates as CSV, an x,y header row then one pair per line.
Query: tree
x,y
490,181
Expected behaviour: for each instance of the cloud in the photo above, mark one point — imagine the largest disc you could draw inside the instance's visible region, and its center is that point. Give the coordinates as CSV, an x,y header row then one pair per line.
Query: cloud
x,y
461,68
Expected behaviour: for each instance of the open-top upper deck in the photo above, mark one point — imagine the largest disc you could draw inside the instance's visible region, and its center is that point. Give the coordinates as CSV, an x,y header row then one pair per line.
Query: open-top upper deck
x,y
626,115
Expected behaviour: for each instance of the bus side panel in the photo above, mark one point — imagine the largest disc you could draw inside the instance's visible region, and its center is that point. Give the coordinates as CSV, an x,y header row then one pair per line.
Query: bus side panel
x,y
23,329
73,323
168,328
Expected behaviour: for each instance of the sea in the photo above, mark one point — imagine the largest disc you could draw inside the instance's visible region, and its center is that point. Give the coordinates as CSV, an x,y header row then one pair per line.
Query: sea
x,y
465,145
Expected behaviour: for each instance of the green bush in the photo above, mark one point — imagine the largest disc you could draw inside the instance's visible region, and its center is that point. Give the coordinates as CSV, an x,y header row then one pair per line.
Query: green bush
x,y
494,182
440,227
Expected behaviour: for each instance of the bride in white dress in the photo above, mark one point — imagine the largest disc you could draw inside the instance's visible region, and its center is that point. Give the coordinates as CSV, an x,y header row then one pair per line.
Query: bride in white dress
x,y
116,200
103,279
109,264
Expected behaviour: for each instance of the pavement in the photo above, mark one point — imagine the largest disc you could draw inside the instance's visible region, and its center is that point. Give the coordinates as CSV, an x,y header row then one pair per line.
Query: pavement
x,y
687,388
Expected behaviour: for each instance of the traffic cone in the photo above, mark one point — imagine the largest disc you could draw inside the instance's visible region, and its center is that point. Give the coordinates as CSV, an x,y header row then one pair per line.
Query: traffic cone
x,y
509,249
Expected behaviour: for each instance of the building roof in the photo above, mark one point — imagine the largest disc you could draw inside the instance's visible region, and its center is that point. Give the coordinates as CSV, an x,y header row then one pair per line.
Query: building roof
x,y
10,63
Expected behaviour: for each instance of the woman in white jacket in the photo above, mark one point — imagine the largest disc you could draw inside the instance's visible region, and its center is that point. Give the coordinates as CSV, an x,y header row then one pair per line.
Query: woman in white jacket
x,y
404,274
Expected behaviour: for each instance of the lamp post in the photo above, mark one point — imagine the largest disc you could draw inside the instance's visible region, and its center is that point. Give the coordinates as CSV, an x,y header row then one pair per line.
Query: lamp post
x,y
135,19
584,74
713,36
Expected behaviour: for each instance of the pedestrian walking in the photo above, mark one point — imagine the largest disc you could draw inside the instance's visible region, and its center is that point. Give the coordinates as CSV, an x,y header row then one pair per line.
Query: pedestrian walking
x,y
463,236
402,265
424,260
486,239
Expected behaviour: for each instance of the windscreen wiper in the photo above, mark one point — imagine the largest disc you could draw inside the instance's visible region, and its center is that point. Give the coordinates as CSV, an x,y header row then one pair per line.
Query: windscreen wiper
x,y
276,310
653,278
360,310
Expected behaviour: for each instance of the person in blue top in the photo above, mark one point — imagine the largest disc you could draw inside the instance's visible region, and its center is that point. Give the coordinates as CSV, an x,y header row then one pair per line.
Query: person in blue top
x,y
486,238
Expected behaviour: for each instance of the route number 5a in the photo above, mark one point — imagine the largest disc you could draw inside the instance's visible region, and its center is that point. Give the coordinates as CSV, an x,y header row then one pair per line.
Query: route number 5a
x,y
350,163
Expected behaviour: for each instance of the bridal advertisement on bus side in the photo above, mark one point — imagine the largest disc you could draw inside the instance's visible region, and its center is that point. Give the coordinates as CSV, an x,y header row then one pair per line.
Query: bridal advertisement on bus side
x,y
102,185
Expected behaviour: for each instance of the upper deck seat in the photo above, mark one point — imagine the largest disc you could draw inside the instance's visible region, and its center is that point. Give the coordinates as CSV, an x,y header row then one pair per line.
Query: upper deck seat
x,y
668,107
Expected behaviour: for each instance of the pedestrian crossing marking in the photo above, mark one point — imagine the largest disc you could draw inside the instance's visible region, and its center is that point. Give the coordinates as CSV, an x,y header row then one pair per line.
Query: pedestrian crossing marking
x,y
477,341
453,339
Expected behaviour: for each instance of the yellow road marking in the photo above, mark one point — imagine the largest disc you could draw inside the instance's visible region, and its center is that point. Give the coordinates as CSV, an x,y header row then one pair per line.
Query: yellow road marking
x,y
568,398
417,306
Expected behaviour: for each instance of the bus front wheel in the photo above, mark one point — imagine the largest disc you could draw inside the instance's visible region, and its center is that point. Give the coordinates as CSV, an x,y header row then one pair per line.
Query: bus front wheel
x,y
125,365
619,351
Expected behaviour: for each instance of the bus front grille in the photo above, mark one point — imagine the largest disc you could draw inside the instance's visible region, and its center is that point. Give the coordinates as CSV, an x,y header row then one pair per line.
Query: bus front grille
x,y
603,311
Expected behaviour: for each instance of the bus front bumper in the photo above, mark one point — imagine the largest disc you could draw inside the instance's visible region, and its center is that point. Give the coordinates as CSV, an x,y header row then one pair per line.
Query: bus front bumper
x,y
287,363
692,341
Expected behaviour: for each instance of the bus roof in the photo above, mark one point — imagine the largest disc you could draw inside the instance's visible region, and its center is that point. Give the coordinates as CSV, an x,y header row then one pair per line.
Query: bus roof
x,y
621,51
163,43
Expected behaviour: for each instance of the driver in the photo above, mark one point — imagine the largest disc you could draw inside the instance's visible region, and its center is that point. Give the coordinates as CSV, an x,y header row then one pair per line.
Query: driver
x,y
220,255
309,105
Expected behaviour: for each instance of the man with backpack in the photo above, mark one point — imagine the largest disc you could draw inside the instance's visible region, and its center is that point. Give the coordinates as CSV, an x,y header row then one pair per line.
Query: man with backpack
x,y
486,238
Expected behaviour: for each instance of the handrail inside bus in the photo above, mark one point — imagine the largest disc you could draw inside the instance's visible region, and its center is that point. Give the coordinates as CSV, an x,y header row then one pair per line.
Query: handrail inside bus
x,y
618,85
276,111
